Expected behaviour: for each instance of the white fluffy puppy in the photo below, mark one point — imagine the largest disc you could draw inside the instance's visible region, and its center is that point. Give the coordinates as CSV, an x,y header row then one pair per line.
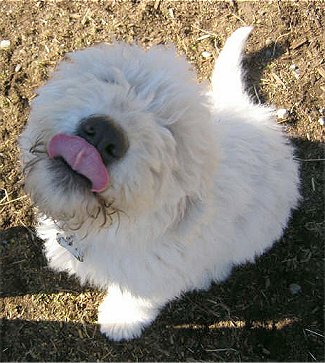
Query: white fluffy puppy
x,y
149,184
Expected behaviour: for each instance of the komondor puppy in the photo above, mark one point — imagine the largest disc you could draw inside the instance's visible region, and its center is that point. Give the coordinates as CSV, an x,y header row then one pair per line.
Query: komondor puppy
x,y
150,184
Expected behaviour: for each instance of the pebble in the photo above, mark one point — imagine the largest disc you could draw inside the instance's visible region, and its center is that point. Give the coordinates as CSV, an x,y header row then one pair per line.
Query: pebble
x,y
5,44
295,289
268,41
295,69
18,68
205,54
322,111
171,13
282,113
321,121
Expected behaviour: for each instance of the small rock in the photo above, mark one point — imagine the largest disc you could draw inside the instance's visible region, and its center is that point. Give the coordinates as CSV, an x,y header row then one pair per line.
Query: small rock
x,y
295,289
321,121
5,44
268,42
18,68
205,54
171,13
322,111
295,70
282,113
266,351
297,73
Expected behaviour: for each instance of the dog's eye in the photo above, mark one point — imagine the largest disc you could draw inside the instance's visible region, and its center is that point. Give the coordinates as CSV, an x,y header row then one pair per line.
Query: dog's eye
x,y
109,79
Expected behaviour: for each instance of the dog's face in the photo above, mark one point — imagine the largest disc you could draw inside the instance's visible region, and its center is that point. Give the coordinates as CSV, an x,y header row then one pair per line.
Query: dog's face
x,y
117,128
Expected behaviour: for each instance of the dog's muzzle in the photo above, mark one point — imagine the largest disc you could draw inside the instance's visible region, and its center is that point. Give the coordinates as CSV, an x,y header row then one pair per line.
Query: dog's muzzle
x,y
97,143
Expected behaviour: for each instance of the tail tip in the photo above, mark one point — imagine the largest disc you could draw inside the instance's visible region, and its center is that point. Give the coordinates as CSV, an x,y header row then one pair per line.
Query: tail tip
x,y
243,32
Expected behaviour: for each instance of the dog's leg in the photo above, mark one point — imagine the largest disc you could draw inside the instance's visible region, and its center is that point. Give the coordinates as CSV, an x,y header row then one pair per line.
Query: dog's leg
x,y
58,257
122,316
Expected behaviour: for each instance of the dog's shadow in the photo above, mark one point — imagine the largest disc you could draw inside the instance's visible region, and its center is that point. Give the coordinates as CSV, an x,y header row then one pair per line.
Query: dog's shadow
x,y
24,267
254,64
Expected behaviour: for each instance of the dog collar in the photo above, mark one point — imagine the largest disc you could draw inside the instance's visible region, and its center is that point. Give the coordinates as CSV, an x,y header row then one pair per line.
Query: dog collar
x,y
67,242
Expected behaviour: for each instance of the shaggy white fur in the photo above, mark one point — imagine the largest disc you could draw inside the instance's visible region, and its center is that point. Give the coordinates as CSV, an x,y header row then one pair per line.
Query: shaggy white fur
x,y
208,181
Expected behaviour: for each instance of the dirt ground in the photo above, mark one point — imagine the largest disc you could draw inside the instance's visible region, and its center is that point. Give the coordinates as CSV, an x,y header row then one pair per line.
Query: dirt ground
x,y
269,311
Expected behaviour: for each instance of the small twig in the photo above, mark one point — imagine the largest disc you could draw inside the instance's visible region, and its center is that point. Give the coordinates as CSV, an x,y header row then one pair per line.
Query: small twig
x,y
282,121
17,262
276,41
313,184
221,350
315,333
156,4
6,195
256,94
31,232
298,159
205,36
205,31
321,71
298,44
239,18
277,78
313,357
13,200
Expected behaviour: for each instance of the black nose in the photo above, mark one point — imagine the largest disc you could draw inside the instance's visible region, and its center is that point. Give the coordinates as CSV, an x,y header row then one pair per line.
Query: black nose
x,y
107,137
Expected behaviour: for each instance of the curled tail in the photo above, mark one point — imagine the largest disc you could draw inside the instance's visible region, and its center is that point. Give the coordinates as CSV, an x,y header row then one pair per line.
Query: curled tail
x,y
228,88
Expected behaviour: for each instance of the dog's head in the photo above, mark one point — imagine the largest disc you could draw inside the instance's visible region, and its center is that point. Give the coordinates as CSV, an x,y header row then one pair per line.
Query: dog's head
x,y
117,128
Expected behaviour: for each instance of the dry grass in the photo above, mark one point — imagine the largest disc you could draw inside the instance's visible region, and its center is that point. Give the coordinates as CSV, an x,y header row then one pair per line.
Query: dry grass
x,y
254,316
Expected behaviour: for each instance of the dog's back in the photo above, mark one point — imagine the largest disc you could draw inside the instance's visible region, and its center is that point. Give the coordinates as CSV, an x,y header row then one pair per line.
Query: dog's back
x,y
257,182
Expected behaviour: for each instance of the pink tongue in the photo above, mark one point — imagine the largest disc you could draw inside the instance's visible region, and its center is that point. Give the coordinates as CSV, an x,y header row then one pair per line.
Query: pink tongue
x,y
82,157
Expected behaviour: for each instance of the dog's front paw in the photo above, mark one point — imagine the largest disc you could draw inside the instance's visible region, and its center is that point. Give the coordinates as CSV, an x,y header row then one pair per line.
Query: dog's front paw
x,y
123,317
118,331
